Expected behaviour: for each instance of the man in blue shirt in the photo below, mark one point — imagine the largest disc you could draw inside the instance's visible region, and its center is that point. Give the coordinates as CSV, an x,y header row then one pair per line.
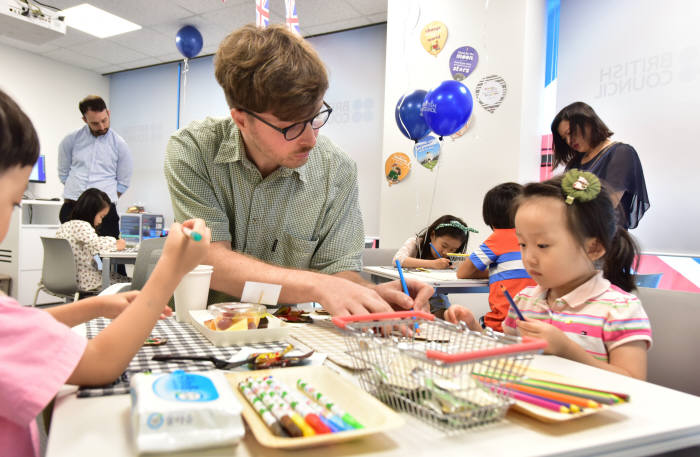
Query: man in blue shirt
x,y
94,156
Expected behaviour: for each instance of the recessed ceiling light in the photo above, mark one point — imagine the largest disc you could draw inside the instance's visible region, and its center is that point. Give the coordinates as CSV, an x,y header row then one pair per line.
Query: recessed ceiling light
x,y
97,22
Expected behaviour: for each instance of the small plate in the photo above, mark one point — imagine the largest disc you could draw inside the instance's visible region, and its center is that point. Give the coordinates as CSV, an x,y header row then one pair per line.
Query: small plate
x,y
276,331
374,415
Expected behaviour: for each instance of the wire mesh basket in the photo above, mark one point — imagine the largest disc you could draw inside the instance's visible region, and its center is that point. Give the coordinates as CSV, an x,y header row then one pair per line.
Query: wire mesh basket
x,y
433,369
456,257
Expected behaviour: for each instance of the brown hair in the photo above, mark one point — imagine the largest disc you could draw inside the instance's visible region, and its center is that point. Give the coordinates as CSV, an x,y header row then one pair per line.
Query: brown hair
x,y
594,219
92,103
19,144
270,70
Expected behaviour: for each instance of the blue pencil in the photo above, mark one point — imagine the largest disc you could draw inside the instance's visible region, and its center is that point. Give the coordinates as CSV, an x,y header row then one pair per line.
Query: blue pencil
x,y
512,303
435,251
403,281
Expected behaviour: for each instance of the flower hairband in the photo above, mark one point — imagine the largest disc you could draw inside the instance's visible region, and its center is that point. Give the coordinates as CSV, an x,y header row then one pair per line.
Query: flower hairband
x,y
581,185
458,225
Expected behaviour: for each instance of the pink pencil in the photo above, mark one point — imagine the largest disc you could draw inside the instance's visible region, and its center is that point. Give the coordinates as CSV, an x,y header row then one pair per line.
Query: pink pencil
x,y
541,402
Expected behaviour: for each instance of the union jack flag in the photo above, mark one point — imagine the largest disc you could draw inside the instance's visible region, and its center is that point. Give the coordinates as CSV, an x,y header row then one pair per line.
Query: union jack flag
x,y
262,13
292,18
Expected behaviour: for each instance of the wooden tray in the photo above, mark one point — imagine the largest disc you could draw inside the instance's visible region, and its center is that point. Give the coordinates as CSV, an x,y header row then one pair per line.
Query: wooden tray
x,y
370,412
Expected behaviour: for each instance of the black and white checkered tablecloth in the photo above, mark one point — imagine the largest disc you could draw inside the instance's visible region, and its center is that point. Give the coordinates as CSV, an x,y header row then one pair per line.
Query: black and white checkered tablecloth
x,y
182,339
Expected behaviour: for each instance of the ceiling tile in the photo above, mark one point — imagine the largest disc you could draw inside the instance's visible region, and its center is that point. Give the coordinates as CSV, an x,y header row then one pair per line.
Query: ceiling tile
x,y
214,19
232,17
368,7
72,37
110,69
204,6
143,12
316,12
170,57
73,58
145,41
377,18
335,26
108,51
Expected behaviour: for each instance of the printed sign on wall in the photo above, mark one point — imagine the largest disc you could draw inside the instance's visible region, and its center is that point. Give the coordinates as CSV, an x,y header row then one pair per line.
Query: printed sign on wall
x,y
396,167
433,37
427,151
490,92
463,62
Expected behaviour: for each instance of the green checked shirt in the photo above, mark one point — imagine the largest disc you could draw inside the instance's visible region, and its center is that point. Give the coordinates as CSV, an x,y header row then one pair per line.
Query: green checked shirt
x,y
306,218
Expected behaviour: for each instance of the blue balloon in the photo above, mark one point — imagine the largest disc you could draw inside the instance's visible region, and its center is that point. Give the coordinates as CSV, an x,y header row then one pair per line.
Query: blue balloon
x,y
188,41
408,115
447,107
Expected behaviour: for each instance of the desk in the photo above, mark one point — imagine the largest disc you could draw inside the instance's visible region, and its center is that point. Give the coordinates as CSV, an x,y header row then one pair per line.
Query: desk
x,y
443,281
116,257
656,420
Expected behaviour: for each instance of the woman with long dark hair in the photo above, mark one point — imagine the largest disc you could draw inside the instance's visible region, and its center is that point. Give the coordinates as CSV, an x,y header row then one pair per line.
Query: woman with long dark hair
x,y
582,140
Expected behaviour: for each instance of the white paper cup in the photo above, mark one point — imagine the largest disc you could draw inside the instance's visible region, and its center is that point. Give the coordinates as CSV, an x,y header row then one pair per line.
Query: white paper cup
x,y
192,292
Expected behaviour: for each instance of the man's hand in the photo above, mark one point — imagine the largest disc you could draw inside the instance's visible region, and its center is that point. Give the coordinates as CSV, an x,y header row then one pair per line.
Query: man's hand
x,y
341,297
392,292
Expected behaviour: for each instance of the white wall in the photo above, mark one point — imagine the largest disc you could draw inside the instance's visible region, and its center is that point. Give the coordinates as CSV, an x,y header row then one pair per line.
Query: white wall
x,y
498,147
637,62
49,92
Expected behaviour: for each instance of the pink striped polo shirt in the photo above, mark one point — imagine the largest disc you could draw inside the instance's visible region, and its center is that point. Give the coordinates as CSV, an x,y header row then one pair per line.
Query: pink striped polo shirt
x,y
596,315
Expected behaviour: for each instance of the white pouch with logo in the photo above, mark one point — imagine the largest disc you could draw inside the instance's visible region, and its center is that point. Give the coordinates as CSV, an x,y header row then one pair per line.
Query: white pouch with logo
x,y
179,411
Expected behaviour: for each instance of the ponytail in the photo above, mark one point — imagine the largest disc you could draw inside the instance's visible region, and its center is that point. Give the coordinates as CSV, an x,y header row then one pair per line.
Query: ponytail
x,y
620,260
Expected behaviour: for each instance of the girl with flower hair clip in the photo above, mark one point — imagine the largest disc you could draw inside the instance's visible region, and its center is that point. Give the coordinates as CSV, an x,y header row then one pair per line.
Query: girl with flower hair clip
x,y
567,229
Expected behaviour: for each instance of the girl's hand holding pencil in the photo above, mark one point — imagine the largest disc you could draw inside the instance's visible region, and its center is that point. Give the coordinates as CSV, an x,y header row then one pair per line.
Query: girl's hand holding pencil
x,y
557,341
181,252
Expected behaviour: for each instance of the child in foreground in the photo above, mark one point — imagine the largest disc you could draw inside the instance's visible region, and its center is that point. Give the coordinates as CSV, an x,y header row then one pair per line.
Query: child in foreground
x,y
498,258
566,226
38,350
80,231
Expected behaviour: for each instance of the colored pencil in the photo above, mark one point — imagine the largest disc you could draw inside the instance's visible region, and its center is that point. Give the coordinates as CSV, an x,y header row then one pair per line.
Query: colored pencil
x,y
589,395
574,400
532,399
435,251
617,397
403,281
196,236
512,303
571,407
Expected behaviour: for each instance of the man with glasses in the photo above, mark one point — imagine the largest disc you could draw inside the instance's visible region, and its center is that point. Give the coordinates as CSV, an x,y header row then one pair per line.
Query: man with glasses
x,y
281,201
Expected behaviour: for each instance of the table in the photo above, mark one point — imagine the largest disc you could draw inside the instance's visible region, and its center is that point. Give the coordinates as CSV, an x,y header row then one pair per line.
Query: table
x,y
443,281
656,420
116,257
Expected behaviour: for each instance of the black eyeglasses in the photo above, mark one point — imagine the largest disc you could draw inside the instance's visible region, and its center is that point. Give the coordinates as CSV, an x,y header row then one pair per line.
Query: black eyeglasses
x,y
295,130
